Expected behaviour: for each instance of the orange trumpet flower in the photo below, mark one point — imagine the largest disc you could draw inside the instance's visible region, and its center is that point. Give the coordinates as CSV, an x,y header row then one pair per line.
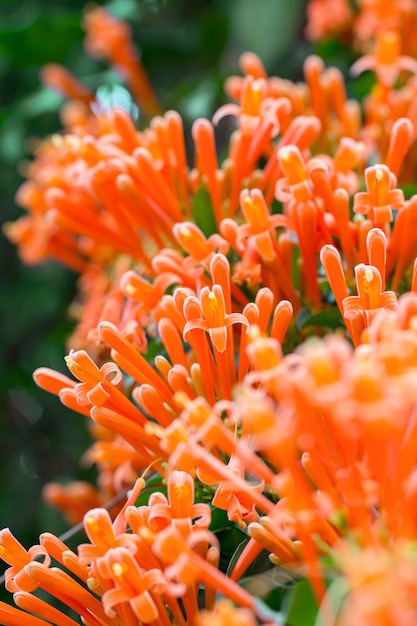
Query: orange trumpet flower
x,y
214,319
387,62
381,197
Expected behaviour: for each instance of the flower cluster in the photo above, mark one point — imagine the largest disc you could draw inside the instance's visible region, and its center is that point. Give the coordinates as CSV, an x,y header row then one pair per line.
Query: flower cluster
x,y
301,441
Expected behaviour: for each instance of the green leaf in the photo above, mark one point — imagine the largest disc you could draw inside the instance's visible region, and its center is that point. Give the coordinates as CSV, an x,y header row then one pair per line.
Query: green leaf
x,y
335,597
409,190
153,485
41,101
203,214
330,318
300,605
219,521
155,347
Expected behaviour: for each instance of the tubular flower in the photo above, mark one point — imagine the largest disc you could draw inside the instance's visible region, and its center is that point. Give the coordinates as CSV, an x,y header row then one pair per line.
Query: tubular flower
x,y
73,499
305,213
239,506
139,588
180,503
260,225
381,197
147,295
188,567
199,249
214,319
100,531
13,553
387,62
327,18
249,112
60,79
361,309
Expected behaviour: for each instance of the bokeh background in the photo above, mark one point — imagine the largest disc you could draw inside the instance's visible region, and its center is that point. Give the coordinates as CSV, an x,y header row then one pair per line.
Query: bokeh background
x,y
188,48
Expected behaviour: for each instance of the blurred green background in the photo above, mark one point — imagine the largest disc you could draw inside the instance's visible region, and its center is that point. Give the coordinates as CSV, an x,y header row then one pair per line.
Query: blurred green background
x,y
188,48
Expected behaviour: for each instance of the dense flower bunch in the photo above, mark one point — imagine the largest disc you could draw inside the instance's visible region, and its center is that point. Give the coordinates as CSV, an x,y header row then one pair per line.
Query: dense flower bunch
x,y
278,290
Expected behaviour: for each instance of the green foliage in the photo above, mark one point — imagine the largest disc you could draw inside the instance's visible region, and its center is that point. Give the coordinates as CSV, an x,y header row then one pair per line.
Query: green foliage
x,y
300,605
328,319
203,214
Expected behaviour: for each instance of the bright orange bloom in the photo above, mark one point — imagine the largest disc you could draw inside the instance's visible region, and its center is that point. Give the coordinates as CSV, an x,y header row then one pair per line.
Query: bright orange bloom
x,y
214,319
361,309
327,18
13,553
387,62
60,79
250,110
100,531
261,225
305,213
16,617
199,249
139,588
381,197
179,505
401,136
33,605
188,567
207,163
73,499
147,295
239,505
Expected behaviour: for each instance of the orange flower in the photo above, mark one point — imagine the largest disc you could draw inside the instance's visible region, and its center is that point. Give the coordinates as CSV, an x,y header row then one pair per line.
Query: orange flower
x,y
273,538
250,110
15,617
187,566
361,309
214,319
206,163
380,584
387,62
101,533
199,249
238,503
327,18
73,499
306,211
261,225
147,294
401,137
64,587
30,603
381,197
295,185
57,77
13,553
180,504
134,585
